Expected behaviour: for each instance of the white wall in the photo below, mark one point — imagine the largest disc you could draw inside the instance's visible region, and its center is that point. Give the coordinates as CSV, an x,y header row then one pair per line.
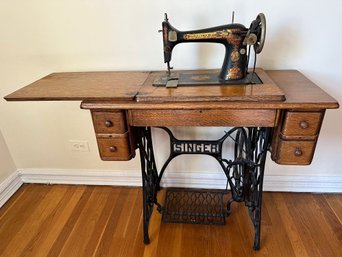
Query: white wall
x,y
39,37
7,166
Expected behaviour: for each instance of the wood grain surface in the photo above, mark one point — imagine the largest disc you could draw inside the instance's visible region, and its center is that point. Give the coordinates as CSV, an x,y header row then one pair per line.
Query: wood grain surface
x,y
294,152
82,85
302,124
124,90
300,93
268,91
198,117
61,220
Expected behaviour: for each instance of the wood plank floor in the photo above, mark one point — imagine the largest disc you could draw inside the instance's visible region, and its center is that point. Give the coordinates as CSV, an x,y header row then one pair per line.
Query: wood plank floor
x,y
67,221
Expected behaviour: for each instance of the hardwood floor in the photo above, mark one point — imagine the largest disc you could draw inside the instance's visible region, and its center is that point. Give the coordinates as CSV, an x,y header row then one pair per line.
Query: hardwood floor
x,y
67,221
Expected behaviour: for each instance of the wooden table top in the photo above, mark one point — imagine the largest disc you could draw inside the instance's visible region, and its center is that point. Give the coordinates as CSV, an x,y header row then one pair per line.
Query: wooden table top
x,y
70,86
133,89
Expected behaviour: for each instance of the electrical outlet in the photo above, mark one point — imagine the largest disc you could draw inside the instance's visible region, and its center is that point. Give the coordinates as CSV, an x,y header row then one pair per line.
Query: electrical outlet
x,y
79,145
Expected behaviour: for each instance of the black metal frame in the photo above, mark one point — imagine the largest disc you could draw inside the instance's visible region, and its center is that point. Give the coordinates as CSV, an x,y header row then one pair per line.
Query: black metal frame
x,y
245,172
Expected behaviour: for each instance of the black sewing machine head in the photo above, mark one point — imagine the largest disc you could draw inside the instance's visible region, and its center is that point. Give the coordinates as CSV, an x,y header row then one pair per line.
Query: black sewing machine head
x,y
237,40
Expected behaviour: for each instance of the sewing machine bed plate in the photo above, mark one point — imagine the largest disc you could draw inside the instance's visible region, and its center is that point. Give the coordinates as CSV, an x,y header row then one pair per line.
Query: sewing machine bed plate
x,y
265,92
205,79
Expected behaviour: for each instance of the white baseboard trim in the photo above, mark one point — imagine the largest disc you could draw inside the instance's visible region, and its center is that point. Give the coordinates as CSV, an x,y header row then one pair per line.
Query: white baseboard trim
x,y
276,183
279,183
303,183
9,186
80,177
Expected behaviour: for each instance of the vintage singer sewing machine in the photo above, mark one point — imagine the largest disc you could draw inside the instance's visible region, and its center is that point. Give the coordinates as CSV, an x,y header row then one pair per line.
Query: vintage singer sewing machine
x,y
281,115
237,40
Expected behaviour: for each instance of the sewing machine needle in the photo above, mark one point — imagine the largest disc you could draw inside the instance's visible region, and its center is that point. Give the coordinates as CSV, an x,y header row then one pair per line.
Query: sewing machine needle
x,y
169,68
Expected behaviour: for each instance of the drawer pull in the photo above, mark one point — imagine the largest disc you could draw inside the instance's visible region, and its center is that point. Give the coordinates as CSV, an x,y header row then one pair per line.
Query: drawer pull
x,y
298,152
303,124
113,149
108,123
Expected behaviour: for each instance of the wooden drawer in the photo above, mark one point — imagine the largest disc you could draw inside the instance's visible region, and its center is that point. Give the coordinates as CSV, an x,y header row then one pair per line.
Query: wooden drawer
x,y
210,117
115,147
297,124
294,140
294,152
109,122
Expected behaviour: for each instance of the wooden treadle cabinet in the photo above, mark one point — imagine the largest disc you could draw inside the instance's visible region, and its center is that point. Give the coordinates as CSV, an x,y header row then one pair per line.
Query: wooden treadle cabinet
x,y
284,114
120,101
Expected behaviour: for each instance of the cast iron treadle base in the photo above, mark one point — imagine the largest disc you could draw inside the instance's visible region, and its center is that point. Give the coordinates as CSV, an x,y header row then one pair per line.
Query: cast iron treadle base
x,y
244,172
195,206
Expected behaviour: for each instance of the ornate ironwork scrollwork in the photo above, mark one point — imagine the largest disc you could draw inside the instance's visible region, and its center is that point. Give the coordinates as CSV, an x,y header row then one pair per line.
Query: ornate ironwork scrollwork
x,y
244,171
149,177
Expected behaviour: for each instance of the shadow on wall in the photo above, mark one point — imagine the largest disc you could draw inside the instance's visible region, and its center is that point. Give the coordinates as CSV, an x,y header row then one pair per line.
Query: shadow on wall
x,y
7,166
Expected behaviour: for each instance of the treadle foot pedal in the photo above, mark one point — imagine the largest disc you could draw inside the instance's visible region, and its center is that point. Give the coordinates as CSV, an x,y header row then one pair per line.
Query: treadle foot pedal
x,y
196,206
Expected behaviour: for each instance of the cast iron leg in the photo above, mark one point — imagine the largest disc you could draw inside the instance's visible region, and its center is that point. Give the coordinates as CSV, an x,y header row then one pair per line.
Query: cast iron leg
x,y
260,147
246,173
257,228
149,177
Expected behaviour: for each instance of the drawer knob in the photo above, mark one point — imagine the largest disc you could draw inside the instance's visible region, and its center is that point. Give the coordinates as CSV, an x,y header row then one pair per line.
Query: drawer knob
x,y
113,149
108,123
303,124
298,152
